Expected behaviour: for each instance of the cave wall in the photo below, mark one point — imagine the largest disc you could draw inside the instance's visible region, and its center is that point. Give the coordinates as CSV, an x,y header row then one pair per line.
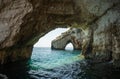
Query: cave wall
x,y
23,22
103,36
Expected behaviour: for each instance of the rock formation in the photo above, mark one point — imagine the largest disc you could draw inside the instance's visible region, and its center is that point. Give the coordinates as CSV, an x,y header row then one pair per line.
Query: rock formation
x,y
73,36
23,22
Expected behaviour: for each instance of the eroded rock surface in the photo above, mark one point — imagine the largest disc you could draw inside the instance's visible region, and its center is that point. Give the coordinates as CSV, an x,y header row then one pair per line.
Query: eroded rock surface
x,y
104,34
73,35
23,22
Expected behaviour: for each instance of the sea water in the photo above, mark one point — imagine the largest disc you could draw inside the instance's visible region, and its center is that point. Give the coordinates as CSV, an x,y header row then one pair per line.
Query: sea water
x,y
56,64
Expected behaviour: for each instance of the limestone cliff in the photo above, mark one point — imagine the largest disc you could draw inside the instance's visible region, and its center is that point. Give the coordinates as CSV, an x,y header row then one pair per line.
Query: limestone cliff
x,y
23,22
73,35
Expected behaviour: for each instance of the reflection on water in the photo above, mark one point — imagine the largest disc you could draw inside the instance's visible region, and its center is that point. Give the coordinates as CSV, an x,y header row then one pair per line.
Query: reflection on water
x,y
54,64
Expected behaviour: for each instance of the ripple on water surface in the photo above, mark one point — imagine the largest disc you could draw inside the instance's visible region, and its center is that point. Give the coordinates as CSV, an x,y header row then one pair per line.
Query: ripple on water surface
x,y
53,64
48,59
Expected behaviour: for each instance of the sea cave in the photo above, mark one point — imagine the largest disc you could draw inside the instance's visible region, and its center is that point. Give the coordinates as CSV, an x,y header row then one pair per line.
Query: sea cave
x,y
94,34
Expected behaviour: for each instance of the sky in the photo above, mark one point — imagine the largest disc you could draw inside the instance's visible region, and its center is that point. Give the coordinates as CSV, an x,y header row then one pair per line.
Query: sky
x,y
45,41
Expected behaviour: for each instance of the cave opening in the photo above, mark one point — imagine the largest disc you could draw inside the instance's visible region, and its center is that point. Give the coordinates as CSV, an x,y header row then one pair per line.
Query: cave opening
x,y
69,46
46,40
46,58
56,48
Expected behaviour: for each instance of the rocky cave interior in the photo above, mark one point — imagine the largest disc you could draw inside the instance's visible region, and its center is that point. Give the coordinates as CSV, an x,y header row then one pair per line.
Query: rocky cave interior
x,y
23,22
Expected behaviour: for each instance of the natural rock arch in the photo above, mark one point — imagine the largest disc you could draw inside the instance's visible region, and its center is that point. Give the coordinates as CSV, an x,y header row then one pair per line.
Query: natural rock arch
x,y
69,42
69,46
62,47
68,37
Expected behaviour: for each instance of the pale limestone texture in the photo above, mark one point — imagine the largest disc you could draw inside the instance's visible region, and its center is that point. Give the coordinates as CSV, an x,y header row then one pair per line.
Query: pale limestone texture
x,y
73,36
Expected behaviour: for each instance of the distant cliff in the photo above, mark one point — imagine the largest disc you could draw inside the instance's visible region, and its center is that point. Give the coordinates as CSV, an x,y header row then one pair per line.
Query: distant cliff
x,y
73,36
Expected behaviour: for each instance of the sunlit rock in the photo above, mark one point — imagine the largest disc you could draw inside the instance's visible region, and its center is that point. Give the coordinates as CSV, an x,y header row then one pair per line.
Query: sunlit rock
x,y
74,36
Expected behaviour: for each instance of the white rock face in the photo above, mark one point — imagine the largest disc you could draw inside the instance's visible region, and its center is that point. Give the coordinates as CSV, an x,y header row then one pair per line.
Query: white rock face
x,y
73,36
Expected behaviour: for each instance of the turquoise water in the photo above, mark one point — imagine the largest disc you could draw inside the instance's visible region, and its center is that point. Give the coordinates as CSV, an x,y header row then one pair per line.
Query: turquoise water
x,y
48,59
57,64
